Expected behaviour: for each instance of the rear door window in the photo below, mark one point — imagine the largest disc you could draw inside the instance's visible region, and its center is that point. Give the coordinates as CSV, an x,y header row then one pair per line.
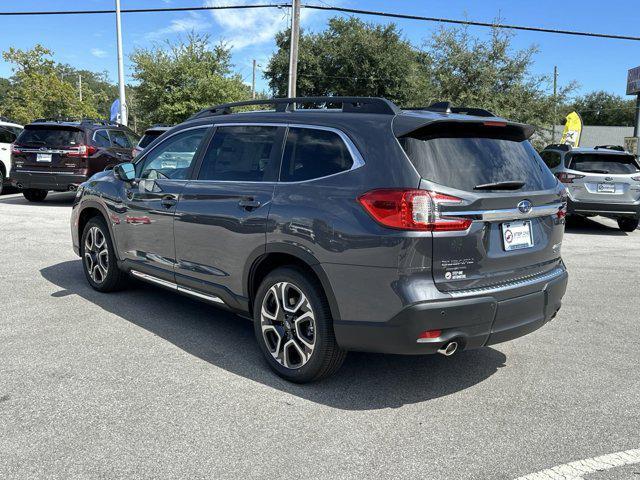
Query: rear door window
x,y
242,154
119,139
101,138
603,163
50,137
466,161
6,136
313,153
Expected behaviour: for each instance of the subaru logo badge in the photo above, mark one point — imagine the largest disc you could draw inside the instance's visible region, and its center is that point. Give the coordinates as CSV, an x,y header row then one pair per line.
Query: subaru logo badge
x,y
525,206
608,179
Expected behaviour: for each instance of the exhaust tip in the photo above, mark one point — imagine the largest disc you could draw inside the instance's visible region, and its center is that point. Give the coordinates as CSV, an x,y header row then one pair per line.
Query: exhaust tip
x,y
449,349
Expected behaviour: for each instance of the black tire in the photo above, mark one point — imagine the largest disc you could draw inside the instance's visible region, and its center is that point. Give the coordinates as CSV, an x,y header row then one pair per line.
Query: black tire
x,y
35,194
1,181
104,276
325,357
628,224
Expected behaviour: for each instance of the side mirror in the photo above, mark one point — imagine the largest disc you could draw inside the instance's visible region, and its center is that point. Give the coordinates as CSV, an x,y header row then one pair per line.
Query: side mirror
x,y
125,172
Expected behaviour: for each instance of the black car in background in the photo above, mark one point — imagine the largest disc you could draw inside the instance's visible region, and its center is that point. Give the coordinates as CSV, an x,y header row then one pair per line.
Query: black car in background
x,y
150,134
59,155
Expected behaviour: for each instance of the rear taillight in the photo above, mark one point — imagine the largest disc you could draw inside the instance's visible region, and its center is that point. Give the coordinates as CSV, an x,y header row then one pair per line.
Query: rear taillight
x,y
407,209
81,151
565,177
15,148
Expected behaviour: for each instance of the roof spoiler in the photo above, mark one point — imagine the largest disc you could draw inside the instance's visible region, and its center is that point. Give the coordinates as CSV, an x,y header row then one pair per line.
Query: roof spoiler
x,y
406,125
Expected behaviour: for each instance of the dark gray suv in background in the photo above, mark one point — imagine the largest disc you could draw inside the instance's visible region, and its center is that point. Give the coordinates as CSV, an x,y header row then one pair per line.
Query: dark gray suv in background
x,y
357,226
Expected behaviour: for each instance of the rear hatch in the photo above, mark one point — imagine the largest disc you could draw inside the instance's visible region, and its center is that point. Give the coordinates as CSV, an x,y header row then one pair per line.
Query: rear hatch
x,y
600,177
50,149
488,174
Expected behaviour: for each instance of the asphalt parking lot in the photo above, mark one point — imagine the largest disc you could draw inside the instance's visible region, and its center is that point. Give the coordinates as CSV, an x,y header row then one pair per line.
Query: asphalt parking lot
x,y
150,384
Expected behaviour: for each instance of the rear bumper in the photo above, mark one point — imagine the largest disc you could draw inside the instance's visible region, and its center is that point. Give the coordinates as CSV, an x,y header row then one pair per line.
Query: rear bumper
x,y
605,209
46,181
473,322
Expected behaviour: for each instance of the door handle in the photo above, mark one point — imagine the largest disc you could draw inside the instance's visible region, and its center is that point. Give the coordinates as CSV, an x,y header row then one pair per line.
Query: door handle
x,y
3,148
249,203
169,201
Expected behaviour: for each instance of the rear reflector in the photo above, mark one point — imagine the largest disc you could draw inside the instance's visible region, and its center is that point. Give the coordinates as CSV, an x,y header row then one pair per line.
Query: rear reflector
x,y
409,209
427,334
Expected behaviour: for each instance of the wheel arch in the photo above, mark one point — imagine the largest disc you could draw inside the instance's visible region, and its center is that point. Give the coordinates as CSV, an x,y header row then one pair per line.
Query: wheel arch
x,y
279,255
90,210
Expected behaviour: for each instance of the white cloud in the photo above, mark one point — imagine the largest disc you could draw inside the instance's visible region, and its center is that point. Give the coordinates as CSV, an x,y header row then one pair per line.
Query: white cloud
x,y
194,22
245,27
97,52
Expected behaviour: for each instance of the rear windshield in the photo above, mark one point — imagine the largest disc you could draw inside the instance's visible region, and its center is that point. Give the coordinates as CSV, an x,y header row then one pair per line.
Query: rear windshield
x,y
603,163
464,162
50,137
147,138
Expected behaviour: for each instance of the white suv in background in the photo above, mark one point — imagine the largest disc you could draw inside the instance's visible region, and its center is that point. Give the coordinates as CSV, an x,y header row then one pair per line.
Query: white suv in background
x,y
9,131
603,180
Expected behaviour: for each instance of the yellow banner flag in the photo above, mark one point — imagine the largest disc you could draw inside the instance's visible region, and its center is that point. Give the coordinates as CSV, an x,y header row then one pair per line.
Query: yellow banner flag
x,y
572,130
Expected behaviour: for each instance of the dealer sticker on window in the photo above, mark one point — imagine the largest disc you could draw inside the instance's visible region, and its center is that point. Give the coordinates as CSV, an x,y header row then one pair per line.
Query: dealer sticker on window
x,y
517,235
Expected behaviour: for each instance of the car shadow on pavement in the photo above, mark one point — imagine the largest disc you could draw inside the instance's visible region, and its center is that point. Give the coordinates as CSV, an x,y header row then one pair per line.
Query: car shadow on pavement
x,y
52,200
225,340
587,226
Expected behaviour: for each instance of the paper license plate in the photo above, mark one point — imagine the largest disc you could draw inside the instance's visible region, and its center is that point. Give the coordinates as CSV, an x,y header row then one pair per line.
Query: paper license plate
x,y
517,235
606,188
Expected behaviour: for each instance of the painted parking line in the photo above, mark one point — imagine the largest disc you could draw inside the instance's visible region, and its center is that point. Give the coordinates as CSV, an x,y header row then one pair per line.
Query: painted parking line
x,y
578,469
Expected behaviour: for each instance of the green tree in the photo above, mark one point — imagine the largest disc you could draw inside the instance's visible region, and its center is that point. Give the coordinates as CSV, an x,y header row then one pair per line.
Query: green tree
x,y
178,80
37,90
490,75
97,89
350,57
603,108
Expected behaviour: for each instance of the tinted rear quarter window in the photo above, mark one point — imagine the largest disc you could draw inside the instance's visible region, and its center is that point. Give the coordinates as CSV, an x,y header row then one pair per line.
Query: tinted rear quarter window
x,y
464,162
242,154
551,159
603,163
6,136
50,136
101,138
313,153
120,139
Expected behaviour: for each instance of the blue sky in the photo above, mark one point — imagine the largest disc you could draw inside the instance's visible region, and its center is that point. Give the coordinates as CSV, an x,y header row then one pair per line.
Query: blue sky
x,y
89,41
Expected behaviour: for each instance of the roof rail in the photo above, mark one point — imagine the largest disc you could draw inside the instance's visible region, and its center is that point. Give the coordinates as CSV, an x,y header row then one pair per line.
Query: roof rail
x,y
8,120
349,105
559,146
618,148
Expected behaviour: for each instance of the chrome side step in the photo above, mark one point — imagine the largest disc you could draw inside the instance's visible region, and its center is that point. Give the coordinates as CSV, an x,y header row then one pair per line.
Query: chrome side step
x,y
173,286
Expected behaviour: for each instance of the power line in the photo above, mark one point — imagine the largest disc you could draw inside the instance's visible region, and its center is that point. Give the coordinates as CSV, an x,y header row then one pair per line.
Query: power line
x,y
146,10
469,22
333,9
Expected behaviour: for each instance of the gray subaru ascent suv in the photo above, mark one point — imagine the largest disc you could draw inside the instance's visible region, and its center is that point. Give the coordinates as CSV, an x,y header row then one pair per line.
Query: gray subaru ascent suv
x,y
356,226
604,180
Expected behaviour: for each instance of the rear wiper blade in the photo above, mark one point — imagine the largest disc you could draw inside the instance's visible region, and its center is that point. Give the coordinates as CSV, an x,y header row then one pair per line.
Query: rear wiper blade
x,y
507,185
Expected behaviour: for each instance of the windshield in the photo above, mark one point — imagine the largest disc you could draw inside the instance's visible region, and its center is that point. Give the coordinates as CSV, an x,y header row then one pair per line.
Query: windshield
x,y
603,163
50,137
466,162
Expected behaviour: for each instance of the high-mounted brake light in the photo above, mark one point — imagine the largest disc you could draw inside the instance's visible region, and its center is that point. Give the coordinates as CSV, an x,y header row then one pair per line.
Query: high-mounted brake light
x,y
82,151
565,177
409,209
495,124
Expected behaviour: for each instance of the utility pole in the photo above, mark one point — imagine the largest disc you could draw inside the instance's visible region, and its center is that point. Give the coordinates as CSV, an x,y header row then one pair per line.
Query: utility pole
x,y
293,49
253,80
80,86
555,103
123,104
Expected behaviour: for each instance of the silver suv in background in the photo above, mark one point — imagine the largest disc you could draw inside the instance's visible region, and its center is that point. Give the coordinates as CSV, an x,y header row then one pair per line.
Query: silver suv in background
x,y
604,180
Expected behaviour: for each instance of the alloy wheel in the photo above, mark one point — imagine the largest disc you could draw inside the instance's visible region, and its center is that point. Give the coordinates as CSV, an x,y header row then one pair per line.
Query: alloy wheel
x,y
96,254
288,325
